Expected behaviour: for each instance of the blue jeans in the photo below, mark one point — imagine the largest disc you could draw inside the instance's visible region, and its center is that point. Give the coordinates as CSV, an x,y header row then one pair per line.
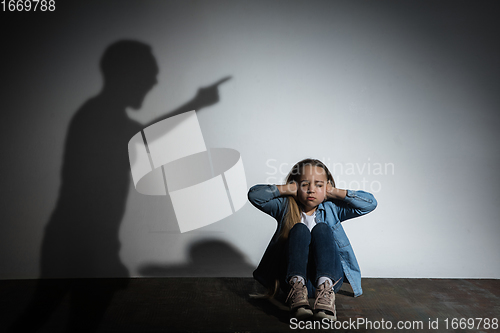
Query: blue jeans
x,y
313,254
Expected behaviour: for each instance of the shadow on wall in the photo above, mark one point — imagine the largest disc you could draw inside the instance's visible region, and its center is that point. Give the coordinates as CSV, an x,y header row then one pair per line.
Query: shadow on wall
x,y
207,258
81,237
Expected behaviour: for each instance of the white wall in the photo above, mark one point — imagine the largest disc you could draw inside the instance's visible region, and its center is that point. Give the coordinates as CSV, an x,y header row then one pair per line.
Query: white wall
x,y
408,85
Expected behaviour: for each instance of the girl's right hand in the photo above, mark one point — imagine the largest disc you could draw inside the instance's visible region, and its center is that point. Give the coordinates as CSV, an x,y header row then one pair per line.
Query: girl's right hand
x,y
288,189
293,187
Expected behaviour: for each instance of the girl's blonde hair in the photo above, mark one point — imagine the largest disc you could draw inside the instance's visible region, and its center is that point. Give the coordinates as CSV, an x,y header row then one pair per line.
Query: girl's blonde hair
x,y
294,208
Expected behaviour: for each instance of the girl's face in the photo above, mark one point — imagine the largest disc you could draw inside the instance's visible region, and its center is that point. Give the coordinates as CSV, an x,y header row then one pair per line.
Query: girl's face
x,y
311,189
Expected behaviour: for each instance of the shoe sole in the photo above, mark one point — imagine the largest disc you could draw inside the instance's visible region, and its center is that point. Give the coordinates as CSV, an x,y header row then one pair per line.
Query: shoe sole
x,y
303,313
321,314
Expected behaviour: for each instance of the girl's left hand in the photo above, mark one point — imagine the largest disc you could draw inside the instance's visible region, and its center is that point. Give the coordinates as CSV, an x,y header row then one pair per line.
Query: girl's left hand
x,y
329,190
334,193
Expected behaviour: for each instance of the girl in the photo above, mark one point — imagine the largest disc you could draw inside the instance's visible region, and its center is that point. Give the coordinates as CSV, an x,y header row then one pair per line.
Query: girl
x,y
309,247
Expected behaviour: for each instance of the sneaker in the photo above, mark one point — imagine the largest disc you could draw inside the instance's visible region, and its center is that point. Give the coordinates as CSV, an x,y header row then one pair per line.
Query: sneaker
x,y
298,300
324,306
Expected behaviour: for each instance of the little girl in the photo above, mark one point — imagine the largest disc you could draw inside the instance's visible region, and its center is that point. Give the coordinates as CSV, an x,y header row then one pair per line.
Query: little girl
x,y
310,248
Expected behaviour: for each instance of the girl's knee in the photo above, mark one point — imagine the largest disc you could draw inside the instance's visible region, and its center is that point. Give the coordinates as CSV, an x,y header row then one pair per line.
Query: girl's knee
x,y
300,229
322,231
320,227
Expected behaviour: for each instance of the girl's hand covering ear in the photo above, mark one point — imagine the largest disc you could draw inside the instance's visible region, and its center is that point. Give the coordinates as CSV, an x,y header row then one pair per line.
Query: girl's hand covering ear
x,y
334,193
329,190
292,188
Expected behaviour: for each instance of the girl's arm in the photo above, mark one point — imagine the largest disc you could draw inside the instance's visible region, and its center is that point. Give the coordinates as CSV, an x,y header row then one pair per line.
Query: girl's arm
x,y
351,203
335,193
271,199
288,189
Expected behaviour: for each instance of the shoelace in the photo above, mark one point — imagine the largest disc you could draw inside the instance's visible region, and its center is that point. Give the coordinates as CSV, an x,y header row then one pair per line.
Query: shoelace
x,y
297,288
325,295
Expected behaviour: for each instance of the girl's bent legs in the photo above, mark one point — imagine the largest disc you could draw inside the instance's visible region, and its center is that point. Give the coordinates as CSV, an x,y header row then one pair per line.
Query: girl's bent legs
x,y
299,240
326,256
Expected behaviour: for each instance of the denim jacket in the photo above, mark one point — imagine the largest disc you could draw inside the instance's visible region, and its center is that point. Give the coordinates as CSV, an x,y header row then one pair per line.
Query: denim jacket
x,y
356,203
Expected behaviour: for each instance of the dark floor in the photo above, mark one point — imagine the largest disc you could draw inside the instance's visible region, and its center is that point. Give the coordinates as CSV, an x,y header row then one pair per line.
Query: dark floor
x,y
225,305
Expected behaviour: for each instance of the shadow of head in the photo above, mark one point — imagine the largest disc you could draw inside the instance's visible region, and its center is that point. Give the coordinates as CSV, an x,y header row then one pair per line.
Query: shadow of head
x,y
129,70
214,253
207,258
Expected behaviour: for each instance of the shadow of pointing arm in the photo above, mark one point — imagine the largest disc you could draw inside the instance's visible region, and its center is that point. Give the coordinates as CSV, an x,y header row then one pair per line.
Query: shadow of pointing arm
x,y
205,96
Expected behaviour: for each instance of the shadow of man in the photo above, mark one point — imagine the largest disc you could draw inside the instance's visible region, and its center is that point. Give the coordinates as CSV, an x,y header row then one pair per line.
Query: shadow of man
x,y
81,240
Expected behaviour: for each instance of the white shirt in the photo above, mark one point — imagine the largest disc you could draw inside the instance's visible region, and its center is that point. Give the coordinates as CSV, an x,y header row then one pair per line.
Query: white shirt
x,y
309,221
